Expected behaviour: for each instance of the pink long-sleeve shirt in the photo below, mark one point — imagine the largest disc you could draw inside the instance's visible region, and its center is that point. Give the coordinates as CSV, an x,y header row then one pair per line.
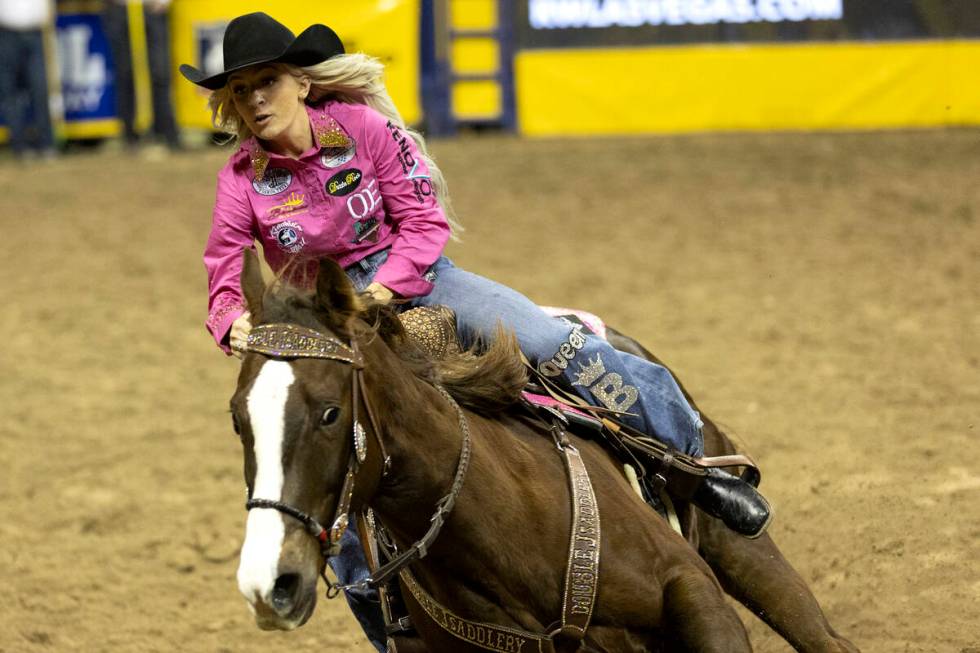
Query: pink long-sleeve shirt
x,y
365,190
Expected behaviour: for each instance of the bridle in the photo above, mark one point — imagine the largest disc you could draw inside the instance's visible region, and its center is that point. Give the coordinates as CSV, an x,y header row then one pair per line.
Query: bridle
x,y
582,572
290,341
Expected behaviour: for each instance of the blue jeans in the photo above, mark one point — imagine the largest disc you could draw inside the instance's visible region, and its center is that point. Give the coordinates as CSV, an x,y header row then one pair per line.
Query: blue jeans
x,y
350,566
583,363
24,90
115,23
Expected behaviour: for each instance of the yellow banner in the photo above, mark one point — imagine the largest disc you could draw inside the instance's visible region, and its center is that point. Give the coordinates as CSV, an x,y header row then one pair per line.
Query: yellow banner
x,y
748,87
387,29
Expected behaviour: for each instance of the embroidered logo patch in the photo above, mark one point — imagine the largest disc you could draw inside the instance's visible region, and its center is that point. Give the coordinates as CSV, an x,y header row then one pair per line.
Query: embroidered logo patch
x,y
275,181
294,204
367,230
423,188
365,201
344,182
289,236
334,157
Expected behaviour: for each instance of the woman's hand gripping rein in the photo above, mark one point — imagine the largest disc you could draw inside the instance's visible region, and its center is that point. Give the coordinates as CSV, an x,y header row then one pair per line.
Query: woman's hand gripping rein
x,y
238,336
379,293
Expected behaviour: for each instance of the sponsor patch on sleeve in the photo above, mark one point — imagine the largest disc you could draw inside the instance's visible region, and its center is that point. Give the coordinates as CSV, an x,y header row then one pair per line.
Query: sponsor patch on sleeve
x,y
421,183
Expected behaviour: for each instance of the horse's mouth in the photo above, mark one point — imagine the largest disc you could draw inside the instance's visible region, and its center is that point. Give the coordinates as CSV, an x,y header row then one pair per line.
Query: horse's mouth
x,y
268,619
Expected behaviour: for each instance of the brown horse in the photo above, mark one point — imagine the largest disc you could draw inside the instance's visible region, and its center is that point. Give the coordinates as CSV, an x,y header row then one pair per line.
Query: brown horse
x,y
502,553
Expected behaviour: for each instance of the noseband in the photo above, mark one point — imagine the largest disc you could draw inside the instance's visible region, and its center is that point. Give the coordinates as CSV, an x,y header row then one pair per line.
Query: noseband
x,y
291,341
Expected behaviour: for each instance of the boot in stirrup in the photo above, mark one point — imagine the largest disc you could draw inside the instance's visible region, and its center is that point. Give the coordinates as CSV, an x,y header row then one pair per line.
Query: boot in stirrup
x,y
735,502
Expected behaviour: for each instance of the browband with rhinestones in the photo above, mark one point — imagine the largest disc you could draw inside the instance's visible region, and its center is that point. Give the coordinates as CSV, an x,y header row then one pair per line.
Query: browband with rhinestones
x,y
291,341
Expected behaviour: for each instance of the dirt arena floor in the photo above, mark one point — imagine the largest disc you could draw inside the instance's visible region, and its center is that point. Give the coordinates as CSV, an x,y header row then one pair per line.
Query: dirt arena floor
x,y
819,294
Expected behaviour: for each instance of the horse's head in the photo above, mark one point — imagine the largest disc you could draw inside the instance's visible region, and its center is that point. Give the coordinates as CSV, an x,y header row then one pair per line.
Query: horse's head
x,y
294,412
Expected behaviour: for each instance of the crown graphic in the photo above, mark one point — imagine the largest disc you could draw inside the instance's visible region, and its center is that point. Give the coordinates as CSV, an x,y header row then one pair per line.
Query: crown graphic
x,y
293,201
589,374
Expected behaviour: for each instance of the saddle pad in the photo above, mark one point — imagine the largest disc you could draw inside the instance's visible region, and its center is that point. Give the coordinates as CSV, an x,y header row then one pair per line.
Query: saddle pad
x,y
551,402
590,321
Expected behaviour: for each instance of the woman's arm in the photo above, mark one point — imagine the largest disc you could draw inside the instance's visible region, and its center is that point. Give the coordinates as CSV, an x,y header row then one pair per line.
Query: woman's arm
x,y
410,201
231,233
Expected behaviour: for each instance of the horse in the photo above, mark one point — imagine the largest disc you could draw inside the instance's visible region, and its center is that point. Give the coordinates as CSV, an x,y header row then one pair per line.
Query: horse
x,y
502,552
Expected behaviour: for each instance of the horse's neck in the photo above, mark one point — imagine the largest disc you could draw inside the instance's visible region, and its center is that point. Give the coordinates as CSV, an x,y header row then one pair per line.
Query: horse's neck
x,y
507,503
421,435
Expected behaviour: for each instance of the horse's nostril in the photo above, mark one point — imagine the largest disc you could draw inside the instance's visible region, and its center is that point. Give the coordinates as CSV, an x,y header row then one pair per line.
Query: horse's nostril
x,y
284,592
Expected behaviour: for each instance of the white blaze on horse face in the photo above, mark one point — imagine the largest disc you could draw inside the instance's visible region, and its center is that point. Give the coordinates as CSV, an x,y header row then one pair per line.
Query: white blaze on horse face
x,y
264,530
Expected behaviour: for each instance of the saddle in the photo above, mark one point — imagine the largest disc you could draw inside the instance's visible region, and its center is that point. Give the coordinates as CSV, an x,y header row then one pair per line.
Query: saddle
x,y
657,467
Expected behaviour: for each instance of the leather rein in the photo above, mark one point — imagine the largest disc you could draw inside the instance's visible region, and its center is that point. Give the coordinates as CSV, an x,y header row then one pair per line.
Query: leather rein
x,y
289,341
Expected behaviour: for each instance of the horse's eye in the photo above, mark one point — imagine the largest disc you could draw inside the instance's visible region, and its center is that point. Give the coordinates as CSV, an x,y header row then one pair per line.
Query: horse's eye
x,y
329,416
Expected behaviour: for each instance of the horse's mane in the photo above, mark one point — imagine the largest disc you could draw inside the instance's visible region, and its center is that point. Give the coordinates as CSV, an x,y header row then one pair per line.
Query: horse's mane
x,y
488,377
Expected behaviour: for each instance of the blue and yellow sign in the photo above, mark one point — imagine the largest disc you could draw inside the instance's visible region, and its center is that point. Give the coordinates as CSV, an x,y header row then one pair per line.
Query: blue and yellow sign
x,y
87,83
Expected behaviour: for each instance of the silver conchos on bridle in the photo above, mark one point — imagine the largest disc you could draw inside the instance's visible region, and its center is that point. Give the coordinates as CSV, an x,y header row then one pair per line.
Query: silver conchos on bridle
x,y
360,442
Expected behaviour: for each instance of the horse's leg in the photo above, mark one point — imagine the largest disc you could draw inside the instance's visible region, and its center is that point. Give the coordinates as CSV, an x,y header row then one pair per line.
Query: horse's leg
x,y
756,574
696,612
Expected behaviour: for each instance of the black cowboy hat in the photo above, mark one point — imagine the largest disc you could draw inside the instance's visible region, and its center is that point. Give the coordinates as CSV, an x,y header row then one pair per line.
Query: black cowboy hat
x,y
259,38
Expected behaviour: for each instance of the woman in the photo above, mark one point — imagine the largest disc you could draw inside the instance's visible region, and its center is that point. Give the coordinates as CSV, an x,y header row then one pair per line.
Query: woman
x,y
327,167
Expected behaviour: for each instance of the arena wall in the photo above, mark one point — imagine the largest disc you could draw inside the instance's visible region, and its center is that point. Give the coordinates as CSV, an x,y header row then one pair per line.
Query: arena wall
x,y
748,87
640,66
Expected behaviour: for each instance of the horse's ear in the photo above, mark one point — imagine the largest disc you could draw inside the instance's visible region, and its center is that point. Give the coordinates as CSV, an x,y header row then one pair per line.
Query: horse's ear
x,y
335,295
253,287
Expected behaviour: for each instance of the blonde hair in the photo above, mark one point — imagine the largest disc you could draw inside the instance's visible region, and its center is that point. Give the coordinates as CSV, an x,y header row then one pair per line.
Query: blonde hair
x,y
352,78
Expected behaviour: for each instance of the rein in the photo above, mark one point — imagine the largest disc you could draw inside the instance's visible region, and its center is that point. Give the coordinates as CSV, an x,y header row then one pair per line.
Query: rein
x,y
292,341
443,507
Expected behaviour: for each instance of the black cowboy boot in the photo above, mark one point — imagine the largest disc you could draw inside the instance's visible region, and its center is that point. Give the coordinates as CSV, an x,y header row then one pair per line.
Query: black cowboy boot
x,y
733,501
